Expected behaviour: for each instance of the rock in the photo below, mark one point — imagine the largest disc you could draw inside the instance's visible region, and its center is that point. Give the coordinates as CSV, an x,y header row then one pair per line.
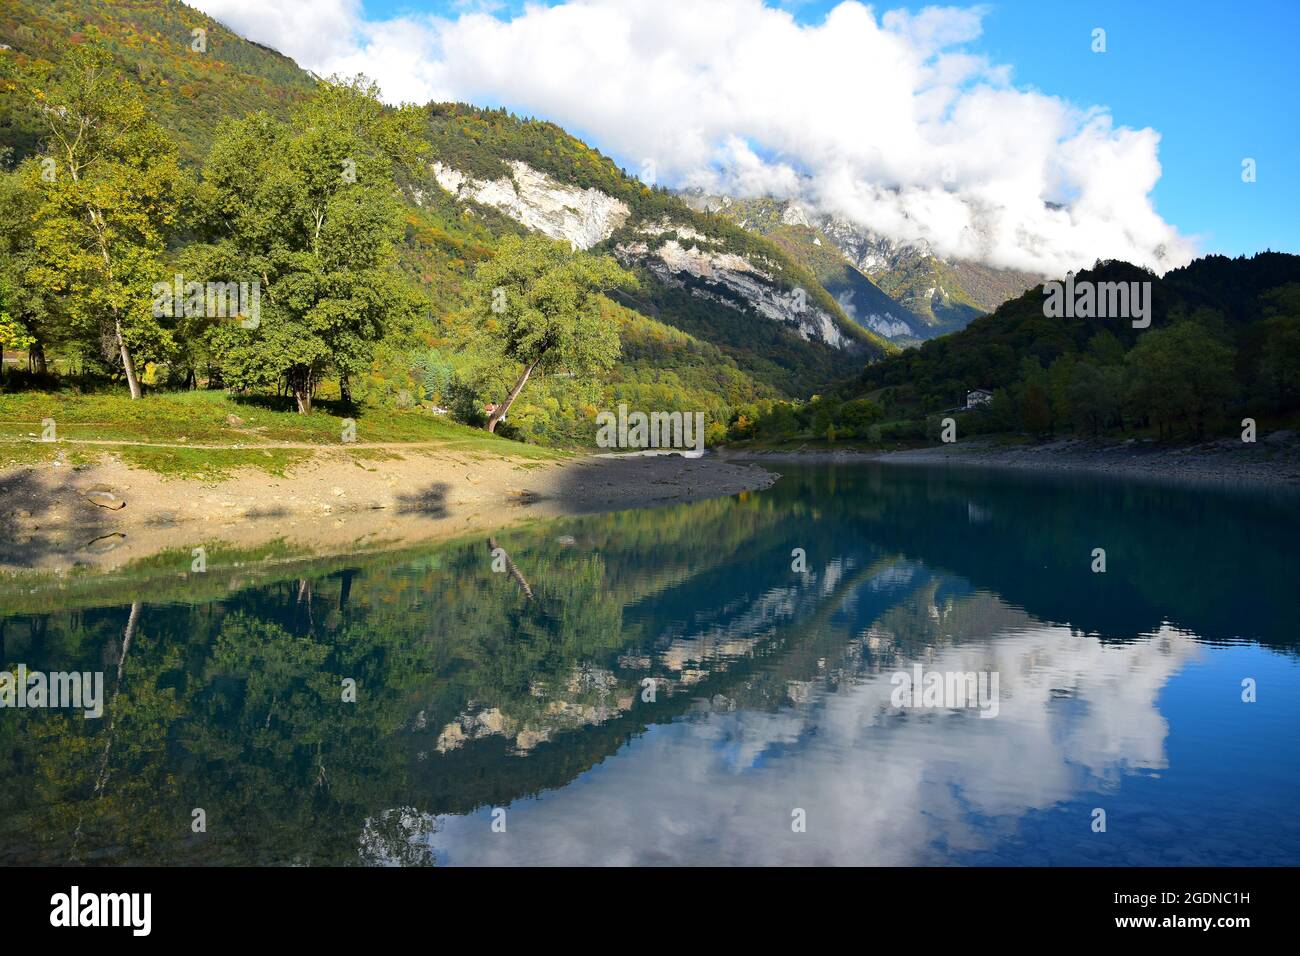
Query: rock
x,y
105,543
234,420
582,217
735,276
104,496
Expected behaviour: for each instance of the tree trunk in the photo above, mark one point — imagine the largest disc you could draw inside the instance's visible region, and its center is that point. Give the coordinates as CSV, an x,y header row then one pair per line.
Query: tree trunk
x,y
345,388
299,382
514,571
345,589
503,408
128,366
37,355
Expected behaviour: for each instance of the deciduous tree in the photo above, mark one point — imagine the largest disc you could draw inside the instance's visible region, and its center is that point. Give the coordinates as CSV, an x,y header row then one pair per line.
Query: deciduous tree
x,y
109,184
539,303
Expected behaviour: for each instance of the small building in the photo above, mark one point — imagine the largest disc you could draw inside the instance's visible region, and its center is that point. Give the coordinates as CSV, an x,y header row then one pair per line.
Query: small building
x,y
977,397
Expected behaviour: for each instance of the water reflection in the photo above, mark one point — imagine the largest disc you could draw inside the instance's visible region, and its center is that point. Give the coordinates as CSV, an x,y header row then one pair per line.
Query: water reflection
x,y
528,689
877,787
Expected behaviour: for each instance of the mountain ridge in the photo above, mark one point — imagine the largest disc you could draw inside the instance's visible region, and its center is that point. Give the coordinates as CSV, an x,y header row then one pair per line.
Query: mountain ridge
x,y
902,291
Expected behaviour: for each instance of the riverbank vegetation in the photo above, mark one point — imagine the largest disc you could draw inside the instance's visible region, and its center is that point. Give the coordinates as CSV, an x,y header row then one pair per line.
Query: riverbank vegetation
x,y
1223,346
305,258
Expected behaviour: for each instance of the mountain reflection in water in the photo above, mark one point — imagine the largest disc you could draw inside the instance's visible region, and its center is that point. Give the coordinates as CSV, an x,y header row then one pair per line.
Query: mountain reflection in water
x,y
527,690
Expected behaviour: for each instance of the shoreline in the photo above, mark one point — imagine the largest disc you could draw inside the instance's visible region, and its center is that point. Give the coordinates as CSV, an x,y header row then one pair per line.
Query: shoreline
x,y
329,505
1272,461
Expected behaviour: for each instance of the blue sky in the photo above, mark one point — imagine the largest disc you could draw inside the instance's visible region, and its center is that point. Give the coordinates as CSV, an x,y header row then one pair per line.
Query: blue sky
x,y
1218,81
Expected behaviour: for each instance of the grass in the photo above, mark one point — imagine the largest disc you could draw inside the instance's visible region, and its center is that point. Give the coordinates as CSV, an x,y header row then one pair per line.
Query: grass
x,y
211,464
238,423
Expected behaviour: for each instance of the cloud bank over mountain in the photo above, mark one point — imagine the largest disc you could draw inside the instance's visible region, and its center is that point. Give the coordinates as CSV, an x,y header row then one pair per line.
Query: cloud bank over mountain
x,y
893,121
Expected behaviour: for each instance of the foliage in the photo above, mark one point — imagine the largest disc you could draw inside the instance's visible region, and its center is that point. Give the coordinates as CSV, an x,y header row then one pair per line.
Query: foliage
x,y
108,200
310,210
152,46
538,304
1224,343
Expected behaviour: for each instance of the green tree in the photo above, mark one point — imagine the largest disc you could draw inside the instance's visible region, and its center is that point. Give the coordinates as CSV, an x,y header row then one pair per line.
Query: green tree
x,y
1096,396
1105,349
1180,372
1059,377
825,412
1278,372
13,334
781,422
1035,396
857,416
30,325
109,189
540,304
311,211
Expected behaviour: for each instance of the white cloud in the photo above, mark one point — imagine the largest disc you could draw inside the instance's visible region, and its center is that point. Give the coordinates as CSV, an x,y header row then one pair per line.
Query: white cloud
x,y
310,31
878,788
892,121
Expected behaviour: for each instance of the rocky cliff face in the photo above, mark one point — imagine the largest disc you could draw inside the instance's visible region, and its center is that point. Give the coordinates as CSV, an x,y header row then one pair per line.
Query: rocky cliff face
x,y
676,254
884,323
690,260
916,293
945,293
583,217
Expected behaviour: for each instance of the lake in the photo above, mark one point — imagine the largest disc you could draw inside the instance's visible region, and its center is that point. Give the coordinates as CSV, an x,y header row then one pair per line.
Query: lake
x,y
716,682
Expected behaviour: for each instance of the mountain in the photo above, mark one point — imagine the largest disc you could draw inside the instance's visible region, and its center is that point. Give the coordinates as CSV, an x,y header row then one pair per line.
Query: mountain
x,y
903,292
946,293
188,91
722,317
1223,343
1215,351
700,272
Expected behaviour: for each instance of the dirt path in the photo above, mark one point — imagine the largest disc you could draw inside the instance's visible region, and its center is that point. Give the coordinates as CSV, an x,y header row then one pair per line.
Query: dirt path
x,y
331,503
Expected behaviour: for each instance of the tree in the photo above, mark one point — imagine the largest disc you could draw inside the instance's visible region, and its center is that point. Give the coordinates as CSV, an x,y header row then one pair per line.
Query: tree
x,y
29,324
857,416
1179,372
1278,372
13,334
540,303
1059,377
1096,396
1035,391
108,189
310,211
779,423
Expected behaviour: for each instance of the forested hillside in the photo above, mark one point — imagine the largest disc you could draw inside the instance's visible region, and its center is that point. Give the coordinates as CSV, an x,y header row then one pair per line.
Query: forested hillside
x,y
1223,344
189,92
691,262
714,317
143,146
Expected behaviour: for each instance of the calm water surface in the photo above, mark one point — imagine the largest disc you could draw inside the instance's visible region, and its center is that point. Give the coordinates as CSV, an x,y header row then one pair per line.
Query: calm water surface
x,y
525,691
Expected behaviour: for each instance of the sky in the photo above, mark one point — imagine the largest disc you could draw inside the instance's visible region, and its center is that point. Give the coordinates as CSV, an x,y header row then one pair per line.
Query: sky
x,y
996,132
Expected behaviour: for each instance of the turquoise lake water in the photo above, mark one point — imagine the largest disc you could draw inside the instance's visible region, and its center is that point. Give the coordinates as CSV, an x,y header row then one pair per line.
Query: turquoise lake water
x,y
705,683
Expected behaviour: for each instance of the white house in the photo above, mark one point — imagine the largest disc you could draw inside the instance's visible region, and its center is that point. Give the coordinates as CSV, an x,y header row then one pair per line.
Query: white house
x,y
978,396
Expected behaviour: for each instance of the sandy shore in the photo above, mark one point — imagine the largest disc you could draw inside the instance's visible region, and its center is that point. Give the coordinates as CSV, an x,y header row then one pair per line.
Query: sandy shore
x,y
332,504
1273,460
